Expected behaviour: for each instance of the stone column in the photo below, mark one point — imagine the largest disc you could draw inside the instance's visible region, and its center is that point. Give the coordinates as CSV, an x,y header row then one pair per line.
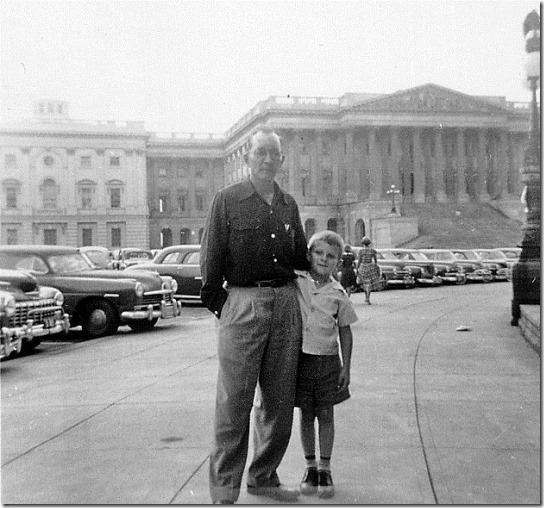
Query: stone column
x,y
502,164
375,167
319,168
438,167
396,154
461,183
481,185
336,139
352,180
419,174
294,156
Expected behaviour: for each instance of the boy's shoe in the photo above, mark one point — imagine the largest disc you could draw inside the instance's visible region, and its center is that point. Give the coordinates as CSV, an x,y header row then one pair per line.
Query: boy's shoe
x,y
310,481
325,488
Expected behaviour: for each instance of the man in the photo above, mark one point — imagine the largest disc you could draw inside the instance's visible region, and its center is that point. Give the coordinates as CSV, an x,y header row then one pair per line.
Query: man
x,y
252,243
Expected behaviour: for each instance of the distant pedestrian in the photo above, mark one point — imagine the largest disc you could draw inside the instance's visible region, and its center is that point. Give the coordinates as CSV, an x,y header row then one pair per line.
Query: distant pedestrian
x,y
368,271
348,279
323,378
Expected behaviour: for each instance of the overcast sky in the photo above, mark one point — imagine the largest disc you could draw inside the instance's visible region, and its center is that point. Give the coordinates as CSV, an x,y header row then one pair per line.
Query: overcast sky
x,y
198,66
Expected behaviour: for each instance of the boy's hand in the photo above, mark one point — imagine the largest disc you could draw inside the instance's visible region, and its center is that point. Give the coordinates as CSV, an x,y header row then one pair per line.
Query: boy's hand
x,y
343,378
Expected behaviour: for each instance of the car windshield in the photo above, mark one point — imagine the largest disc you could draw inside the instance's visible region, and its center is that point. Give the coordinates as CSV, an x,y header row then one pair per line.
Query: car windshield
x,y
98,258
387,255
488,254
466,255
69,263
145,256
510,254
441,256
418,256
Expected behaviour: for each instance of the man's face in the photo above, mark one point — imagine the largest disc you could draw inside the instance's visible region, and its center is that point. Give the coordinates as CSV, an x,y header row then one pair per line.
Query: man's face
x,y
265,157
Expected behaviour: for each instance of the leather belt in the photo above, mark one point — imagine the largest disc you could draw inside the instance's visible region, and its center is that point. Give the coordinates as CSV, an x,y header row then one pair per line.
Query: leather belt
x,y
272,283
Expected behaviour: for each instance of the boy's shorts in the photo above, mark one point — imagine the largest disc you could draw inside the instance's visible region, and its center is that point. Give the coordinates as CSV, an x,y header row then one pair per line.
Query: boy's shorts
x,y
317,381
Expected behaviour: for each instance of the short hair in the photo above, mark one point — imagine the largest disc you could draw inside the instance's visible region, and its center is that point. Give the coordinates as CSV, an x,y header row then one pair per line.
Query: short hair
x,y
330,237
265,129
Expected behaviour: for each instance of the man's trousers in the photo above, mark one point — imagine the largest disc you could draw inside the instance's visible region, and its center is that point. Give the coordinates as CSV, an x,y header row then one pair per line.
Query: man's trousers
x,y
260,335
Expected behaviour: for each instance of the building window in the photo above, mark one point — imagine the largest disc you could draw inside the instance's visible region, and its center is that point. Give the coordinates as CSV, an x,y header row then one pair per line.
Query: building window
x,y
199,202
50,237
389,151
163,168
86,161
11,197
87,236
49,195
115,198
163,203
12,237
48,160
116,237
182,202
86,198
11,160
180,168
115,161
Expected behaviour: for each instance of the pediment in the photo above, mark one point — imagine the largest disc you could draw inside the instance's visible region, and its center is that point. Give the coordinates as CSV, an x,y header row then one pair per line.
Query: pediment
x,y
429,99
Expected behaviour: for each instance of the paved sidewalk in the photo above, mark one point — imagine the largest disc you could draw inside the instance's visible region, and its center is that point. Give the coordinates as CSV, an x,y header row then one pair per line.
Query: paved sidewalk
x,y
437,416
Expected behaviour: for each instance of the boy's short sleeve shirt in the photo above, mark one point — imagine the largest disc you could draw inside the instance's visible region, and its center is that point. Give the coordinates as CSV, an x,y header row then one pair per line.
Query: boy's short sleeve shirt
x,y
324,310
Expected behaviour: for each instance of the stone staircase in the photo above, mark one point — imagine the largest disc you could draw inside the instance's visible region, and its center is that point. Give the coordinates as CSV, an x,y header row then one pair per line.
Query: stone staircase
x,y
461,225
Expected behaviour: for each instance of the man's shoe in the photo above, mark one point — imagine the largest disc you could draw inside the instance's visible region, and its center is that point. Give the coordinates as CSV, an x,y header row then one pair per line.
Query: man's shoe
x,y
310,481
325,489
279,492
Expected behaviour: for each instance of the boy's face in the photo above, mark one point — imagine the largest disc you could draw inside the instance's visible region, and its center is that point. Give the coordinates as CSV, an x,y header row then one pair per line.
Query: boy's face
x,y
323,258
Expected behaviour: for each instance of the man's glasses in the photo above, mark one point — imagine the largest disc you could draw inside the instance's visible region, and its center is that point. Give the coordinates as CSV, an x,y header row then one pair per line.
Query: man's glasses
x,y
261,153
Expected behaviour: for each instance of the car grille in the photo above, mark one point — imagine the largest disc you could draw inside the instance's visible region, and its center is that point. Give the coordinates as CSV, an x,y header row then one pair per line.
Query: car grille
x,y
156,298
38,311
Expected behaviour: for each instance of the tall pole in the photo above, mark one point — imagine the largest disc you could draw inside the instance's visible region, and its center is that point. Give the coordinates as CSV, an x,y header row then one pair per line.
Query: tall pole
x,y
526,272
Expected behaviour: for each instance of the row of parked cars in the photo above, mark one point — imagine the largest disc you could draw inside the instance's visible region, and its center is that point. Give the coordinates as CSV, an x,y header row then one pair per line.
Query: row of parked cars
x,y
432,267
45,290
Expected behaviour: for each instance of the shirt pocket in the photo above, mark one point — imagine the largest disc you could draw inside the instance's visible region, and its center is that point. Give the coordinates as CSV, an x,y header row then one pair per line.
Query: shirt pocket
x,y
244,233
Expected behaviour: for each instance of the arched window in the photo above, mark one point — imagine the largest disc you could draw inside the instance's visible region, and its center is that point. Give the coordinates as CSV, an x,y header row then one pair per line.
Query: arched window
x,y
185,236
360,230
309,228
166,237
332,225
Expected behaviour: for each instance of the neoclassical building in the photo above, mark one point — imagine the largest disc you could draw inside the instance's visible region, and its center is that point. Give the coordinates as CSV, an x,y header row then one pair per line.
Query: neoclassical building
x,y
434,144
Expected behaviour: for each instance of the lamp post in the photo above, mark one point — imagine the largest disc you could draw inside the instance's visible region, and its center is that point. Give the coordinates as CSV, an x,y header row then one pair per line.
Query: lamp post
x,y
393,191
526,272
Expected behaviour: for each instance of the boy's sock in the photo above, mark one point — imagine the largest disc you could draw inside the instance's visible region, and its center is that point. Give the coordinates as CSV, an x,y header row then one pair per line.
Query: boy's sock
x,y
310,461
324,464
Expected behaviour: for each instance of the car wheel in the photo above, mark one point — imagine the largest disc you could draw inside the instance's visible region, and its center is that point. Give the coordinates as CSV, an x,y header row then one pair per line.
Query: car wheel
x,y
29,345
143,325
98,319
461,282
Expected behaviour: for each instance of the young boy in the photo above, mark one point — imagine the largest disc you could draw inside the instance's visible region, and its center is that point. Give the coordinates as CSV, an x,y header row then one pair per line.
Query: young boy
x,y
323,380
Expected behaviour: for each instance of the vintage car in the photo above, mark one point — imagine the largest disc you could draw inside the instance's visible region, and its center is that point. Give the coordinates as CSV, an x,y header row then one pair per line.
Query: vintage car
x,y
498,268
424,271
129,256
97,300
28,312
473,270
512,254
182,263
99,256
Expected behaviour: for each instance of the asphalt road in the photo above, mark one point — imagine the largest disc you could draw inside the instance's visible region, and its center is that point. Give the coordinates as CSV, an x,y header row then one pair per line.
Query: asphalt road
x,y
437,416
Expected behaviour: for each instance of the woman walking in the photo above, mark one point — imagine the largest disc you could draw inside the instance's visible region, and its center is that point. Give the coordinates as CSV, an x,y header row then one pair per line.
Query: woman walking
x,y
368,271
348,279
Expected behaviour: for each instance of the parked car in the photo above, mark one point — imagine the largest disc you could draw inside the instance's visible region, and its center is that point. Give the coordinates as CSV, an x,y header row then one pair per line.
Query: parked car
x,y
473,270
182,263
28,312
99,256
512,254
97,300
498,269
424,271
123,258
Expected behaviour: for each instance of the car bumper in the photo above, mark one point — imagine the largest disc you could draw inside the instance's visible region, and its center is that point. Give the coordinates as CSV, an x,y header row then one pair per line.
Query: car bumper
x,y
480,275
453,277
434,281
406,281
11,340
502,274
166,311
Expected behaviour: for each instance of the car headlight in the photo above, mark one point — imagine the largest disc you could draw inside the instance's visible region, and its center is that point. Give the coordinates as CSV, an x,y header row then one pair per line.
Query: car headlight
x,y
9,305
139,289
174,285
59,298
